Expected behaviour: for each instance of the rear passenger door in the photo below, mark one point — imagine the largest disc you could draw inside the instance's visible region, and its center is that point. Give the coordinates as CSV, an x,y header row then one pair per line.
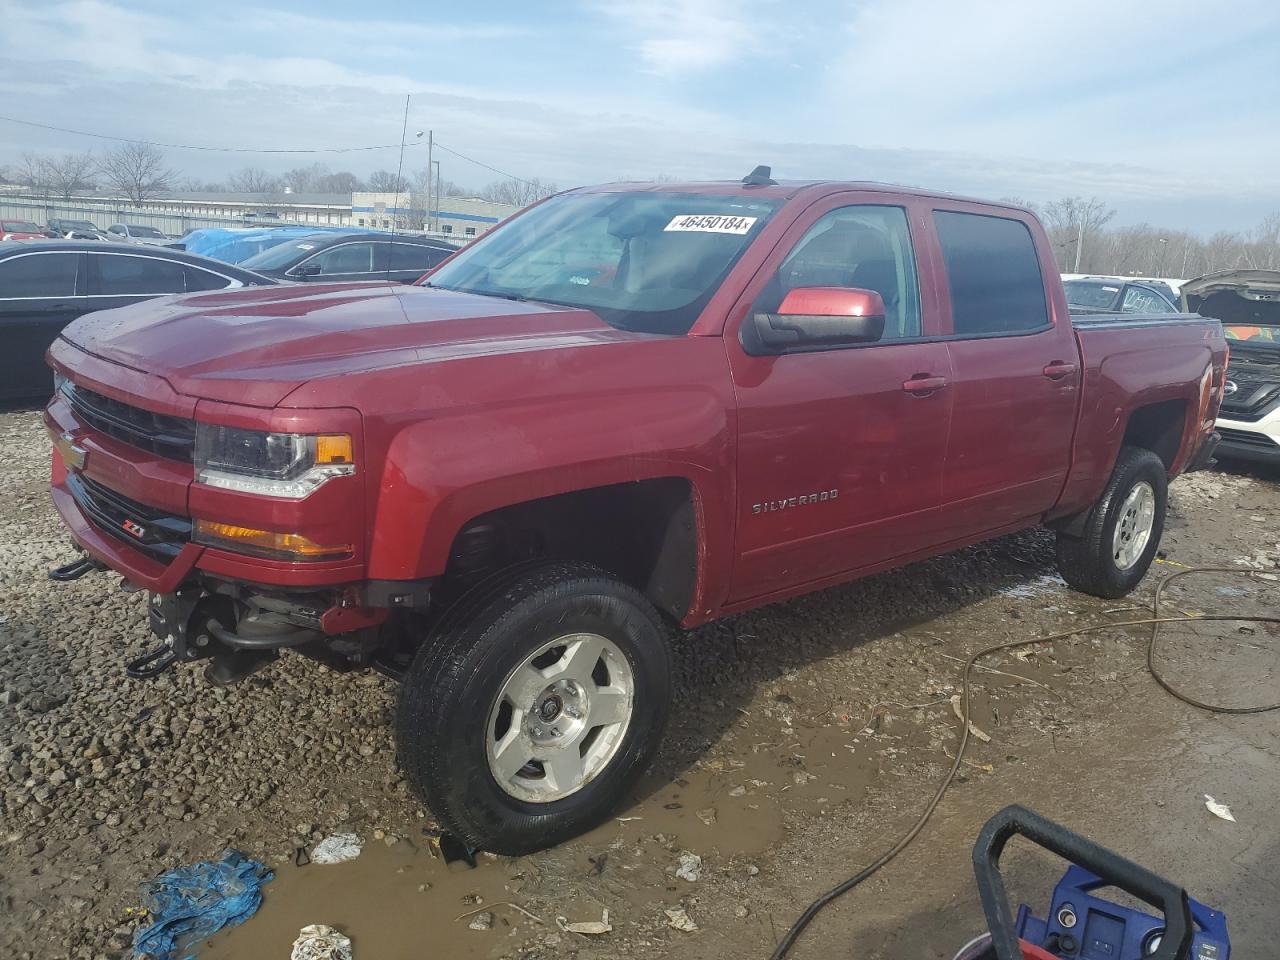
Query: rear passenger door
x,y
408,261
40,293
118,279
1014,372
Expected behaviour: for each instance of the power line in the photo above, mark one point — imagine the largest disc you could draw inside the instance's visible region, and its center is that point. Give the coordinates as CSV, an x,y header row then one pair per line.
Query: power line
x,y
209,149
501,173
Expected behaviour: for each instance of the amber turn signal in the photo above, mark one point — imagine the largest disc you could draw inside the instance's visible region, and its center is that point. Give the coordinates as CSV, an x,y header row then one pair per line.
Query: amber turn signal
x,y
265,543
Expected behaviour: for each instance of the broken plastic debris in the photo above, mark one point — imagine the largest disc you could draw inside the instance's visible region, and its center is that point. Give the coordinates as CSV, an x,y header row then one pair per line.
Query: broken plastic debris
x,y
318,941
187,904
1219,810
974,731
690,867
678,919
338,848
590,928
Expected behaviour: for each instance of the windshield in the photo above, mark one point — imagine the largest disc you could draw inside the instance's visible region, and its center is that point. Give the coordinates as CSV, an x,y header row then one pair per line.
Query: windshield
x,y
151,233
641,261
1096,296
280,254
20,226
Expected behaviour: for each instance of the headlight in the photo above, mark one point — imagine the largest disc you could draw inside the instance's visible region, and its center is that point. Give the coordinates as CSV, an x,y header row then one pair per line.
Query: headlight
x,y
288,465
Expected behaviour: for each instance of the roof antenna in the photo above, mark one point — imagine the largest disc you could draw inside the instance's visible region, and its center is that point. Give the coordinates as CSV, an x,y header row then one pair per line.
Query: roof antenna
x,y
761,176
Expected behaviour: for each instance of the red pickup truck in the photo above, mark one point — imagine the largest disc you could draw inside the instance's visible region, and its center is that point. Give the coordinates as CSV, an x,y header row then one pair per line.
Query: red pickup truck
x,y
628,408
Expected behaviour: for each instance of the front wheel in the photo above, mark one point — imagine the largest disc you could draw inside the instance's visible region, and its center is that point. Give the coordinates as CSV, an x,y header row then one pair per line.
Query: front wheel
x,y
536,707
1122,531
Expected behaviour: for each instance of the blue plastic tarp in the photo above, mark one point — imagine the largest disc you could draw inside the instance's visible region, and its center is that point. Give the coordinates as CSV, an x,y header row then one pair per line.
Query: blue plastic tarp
x,y
237,244
188,904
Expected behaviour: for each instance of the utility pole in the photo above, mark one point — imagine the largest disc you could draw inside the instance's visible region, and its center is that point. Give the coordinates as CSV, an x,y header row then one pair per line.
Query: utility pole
x,y
1079,244
431,136
437,163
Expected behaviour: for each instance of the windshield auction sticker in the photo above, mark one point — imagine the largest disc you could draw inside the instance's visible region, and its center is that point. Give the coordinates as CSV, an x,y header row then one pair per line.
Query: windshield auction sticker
x,y
710,223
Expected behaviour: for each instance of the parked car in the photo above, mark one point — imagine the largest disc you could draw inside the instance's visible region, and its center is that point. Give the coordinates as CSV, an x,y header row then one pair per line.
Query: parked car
x,y
238,244
1248,304
46,285
20,230
351,256
1112,295
61,227
625,407
136,233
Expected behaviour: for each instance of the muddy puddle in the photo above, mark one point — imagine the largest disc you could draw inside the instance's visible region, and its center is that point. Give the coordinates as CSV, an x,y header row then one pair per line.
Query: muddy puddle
x,y
405,900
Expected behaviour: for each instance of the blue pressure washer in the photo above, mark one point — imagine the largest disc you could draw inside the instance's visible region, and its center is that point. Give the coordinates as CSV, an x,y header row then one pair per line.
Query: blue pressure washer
x,y
1080,925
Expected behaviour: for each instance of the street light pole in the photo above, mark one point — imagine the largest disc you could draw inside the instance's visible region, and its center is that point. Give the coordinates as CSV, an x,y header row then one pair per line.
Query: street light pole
x,y
1164,244
437,206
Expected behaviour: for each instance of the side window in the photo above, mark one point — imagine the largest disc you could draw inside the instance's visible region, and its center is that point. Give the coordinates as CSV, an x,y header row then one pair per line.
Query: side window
x,y
132,276
994,273
860,246
409,256
1141,300
39,275
345,258
198,279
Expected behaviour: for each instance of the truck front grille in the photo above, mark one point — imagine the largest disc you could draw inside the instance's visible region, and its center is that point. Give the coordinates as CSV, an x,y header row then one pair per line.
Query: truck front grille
x,y
1247,438
1257,394
171,437
157,534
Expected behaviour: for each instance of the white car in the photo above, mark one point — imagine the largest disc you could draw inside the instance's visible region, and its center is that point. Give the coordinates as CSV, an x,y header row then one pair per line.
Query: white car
x,y
136,233
1248,304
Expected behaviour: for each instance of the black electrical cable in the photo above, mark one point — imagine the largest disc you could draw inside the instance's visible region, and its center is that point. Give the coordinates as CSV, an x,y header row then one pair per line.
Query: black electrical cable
x,y
1155,621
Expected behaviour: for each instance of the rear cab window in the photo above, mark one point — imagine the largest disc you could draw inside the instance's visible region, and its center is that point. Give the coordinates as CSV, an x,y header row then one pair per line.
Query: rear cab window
x,y
994,275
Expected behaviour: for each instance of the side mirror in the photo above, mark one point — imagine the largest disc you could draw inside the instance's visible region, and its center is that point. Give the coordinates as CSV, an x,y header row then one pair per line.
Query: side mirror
x,y
817,316
306,270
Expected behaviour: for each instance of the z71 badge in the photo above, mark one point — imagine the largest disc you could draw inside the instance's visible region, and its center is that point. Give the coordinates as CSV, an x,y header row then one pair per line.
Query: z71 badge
x,y
771,506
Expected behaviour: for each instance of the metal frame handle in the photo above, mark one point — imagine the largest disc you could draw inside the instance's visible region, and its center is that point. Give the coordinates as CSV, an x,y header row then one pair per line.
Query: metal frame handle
x,y
1135,880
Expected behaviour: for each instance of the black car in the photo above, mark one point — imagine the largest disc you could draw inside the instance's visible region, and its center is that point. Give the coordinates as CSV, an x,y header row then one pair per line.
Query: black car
x,y
1112,295
333,257
62,227
44,285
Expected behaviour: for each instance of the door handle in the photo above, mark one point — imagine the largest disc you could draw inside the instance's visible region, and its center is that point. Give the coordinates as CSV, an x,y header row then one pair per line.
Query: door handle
x,y
922,385
1059,370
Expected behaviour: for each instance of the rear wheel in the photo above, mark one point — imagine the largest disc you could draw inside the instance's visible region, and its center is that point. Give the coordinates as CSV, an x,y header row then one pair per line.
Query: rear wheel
x,y
1122,531
536,707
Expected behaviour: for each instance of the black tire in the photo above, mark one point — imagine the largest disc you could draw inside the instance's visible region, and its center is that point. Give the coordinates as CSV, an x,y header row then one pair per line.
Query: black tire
x,y
450,688
1088,562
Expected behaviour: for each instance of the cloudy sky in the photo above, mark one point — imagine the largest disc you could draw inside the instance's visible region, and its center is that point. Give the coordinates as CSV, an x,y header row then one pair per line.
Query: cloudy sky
x,y
1165,109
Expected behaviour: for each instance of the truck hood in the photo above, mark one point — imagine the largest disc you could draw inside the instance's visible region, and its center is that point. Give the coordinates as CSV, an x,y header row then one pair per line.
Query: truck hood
x,y
256,345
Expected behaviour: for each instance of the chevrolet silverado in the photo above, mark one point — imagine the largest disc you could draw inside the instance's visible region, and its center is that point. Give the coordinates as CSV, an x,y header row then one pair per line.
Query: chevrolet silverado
x,y
630,408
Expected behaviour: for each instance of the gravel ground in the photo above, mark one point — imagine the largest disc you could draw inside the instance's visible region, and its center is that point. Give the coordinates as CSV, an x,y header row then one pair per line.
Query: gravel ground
x,y
805,735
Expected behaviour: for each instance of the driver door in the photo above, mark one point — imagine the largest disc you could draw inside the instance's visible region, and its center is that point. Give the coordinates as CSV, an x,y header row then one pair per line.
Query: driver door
x,y
839,455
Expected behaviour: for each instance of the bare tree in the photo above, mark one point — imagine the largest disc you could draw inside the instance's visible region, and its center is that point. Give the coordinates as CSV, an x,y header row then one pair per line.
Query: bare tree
x,y
384,181
518,193
344,181
33,172
254,180
137,170
71,172
1072,224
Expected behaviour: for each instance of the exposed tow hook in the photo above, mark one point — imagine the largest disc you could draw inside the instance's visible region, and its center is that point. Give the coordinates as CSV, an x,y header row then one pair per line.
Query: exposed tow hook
x,y
75,569
151,665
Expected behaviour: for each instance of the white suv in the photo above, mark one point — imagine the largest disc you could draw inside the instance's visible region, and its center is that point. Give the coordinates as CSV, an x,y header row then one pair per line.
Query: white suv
x,y
1248,304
